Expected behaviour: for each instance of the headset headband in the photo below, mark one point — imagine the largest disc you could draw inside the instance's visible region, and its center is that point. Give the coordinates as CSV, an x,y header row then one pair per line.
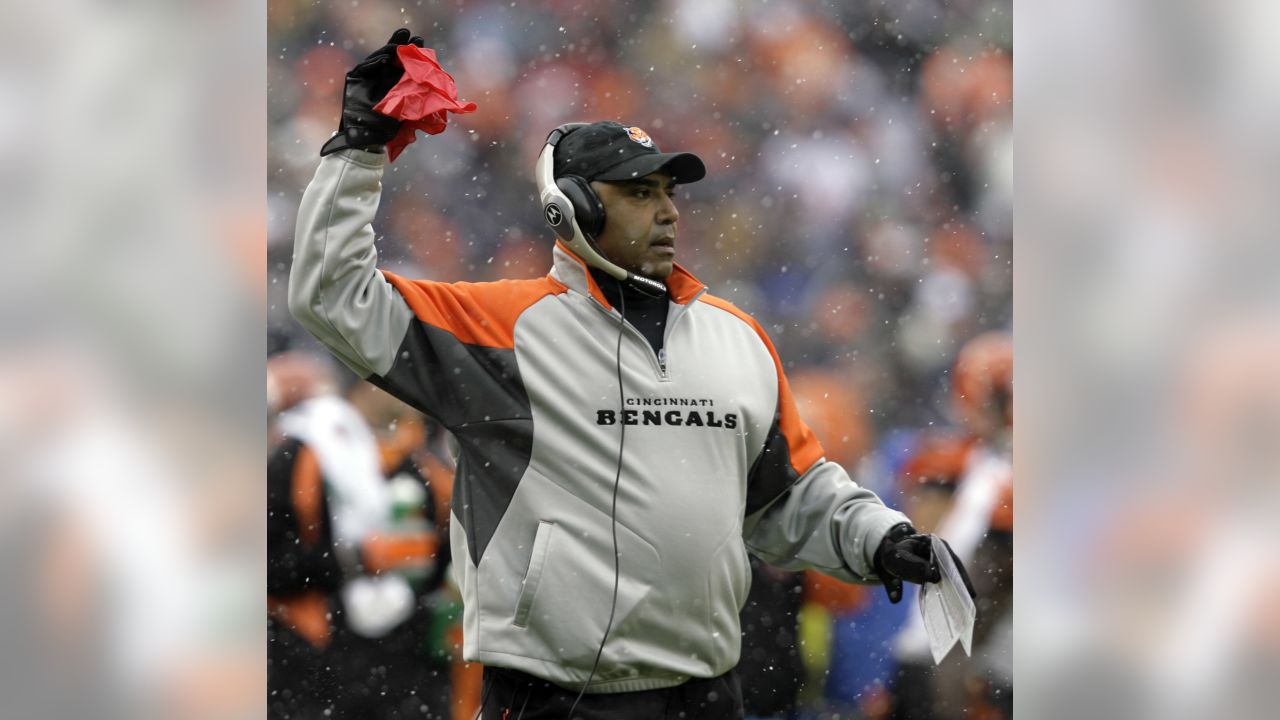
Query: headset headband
x,y
558,211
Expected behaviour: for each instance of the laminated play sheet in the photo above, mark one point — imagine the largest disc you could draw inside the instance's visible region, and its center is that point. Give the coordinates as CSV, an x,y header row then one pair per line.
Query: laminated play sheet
x,y
946,607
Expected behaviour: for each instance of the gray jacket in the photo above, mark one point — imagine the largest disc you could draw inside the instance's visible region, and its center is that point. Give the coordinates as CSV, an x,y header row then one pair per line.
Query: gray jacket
x,y
716,460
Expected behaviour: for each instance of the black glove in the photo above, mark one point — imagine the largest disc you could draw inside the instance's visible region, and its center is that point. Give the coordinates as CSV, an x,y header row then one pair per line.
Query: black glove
x,y
907,555
367,84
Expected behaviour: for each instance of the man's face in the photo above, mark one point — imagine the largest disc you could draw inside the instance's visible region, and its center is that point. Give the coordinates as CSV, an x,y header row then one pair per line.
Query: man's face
x,y
640,224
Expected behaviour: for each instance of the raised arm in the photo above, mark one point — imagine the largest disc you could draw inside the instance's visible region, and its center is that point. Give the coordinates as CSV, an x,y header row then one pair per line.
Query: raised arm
x,y
335,290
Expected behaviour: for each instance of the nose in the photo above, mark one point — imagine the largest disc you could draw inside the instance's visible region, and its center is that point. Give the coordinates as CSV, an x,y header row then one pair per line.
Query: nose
x,y
667,212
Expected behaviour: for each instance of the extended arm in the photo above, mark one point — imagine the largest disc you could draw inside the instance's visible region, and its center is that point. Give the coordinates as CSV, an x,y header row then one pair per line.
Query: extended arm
x,y
824,521
805,512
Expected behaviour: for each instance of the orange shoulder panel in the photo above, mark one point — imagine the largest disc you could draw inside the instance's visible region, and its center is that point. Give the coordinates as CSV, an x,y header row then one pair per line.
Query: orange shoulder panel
x,y
476,313
683,285
803,446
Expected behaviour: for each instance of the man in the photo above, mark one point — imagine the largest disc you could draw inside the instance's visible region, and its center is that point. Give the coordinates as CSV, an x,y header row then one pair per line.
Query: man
x,y
613,472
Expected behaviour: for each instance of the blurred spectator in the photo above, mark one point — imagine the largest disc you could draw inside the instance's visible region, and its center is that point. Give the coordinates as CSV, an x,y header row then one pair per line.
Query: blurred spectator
x,y
981,471
405,673
354,542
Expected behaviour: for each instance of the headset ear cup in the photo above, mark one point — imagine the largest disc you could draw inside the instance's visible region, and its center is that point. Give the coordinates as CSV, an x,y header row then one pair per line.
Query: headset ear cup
x,y
587,208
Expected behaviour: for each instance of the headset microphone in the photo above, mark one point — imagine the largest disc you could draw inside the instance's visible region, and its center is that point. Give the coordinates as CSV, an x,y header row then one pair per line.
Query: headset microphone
x,y
569,204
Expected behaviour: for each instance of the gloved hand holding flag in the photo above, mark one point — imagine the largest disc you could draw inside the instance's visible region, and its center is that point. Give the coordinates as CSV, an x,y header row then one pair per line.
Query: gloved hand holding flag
x,y
422,98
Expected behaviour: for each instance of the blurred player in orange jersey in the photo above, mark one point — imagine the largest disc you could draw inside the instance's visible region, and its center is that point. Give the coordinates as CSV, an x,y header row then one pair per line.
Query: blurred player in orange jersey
x,y
404,672
928,481
982,402
303,575
982,389
929,477
353,547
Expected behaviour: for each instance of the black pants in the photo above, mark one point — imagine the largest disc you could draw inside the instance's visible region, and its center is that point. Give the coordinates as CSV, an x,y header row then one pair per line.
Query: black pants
x,y
512,695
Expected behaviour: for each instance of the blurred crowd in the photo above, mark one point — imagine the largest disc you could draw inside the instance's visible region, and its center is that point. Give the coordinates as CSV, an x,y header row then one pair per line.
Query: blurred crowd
x,y
858,203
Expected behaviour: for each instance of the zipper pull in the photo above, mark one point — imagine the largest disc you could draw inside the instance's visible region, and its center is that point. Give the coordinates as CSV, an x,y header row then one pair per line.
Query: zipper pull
x,y
662,360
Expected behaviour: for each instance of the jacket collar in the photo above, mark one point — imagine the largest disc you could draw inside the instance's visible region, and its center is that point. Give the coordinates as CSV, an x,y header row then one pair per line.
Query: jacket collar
x,y
571,271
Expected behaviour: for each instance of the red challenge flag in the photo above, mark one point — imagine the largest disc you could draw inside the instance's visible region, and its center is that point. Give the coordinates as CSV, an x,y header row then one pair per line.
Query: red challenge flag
x,y
422,99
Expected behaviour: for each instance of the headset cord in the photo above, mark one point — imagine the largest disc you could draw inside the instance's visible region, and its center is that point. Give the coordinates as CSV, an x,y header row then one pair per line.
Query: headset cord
x,y
613,512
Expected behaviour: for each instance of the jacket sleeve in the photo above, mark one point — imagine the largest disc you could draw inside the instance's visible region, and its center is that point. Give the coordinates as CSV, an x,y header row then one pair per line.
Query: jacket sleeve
x,y
805,512
335,290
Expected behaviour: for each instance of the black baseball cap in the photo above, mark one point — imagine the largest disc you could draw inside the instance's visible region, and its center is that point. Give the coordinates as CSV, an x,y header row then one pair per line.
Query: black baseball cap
x,y
613,152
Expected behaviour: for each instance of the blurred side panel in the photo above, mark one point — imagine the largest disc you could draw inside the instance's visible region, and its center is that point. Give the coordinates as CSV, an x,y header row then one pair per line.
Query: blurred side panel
x,y
132,307
1148,338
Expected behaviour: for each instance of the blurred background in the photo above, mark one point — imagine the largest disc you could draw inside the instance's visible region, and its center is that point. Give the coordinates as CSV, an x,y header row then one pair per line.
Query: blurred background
x,y
858,203
1148,332
132,303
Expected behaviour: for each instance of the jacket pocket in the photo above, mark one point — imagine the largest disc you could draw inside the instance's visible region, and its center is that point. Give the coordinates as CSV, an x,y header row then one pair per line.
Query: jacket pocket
x,y
537,558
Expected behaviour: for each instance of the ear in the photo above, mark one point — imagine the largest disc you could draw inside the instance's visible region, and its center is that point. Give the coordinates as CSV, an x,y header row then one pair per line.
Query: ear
x,y
588,210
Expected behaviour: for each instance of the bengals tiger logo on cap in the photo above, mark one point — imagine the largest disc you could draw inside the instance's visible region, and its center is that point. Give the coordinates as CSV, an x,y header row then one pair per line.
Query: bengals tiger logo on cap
x,y
640,136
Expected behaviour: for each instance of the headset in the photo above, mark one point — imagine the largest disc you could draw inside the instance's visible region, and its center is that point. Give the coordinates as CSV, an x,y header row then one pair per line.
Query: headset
x,y
575,213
